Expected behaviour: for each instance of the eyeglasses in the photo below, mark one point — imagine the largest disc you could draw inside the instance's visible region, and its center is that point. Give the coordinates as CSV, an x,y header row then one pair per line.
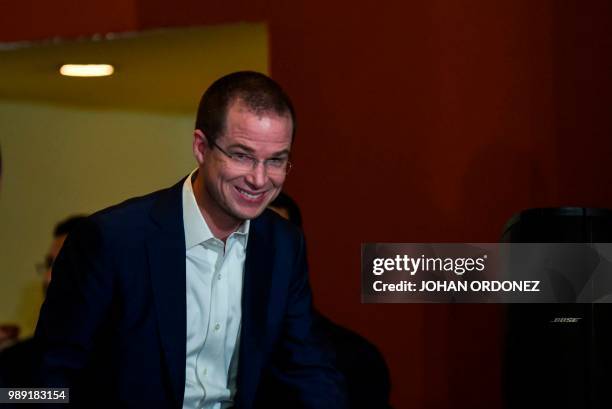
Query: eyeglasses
x,y
42,268
246,163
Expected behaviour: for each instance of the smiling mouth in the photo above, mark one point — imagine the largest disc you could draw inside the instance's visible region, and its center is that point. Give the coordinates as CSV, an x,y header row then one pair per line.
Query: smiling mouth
x,y
249,195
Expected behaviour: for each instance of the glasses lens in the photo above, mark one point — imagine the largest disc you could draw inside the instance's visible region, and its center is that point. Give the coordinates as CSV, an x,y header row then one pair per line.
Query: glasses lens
x,y
247,164
279,169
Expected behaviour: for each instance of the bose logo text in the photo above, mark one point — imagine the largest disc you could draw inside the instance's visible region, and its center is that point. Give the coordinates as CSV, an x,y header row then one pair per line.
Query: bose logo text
x,y
566,319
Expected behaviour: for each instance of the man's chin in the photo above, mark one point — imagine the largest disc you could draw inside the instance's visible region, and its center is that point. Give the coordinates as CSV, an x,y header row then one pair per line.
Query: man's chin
x,y
248,214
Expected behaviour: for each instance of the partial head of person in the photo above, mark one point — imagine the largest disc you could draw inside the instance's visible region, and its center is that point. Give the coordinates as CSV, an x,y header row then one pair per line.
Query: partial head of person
x,y
286,207
60,233
242,142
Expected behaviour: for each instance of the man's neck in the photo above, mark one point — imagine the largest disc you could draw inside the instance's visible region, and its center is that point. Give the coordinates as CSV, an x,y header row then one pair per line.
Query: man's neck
x,y
221,225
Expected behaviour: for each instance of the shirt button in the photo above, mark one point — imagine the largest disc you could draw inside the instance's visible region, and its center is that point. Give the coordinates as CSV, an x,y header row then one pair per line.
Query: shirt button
x,y
218,276
217,326
205,371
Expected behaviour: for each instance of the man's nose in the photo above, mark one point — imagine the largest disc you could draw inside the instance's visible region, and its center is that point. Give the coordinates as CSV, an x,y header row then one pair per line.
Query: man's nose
x,y
258,176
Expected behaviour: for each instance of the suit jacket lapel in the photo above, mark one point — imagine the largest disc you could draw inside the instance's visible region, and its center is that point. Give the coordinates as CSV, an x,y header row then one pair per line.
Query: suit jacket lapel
x,y
166,251
257,283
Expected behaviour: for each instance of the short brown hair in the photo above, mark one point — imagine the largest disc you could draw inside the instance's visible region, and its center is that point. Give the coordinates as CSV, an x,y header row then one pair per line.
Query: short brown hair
x,y
259,93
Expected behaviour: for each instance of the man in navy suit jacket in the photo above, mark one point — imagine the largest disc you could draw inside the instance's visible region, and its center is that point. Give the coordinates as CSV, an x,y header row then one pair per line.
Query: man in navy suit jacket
x,y
124,321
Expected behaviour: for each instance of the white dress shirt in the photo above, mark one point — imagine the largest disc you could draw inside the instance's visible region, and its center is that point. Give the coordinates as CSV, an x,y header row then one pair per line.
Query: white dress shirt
x,y
214,292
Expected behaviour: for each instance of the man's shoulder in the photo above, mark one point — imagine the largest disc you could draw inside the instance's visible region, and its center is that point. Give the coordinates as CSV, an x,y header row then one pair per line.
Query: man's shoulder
x,y
132,216
135,206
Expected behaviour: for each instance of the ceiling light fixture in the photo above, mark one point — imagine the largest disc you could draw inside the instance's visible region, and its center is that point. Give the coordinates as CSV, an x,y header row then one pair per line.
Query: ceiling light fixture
x,y
87,70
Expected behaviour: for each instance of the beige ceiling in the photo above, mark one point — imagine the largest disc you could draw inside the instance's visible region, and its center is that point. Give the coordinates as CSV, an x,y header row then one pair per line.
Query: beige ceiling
x,y
162,70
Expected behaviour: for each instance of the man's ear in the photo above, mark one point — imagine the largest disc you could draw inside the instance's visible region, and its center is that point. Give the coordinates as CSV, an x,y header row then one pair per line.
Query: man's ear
x,y
200,145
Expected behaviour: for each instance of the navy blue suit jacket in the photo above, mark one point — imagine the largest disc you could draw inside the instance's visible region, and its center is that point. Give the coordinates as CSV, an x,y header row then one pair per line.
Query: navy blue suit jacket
x,y
113,325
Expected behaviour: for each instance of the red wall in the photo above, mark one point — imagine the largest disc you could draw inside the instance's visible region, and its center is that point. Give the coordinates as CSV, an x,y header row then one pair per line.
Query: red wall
x,y
428,121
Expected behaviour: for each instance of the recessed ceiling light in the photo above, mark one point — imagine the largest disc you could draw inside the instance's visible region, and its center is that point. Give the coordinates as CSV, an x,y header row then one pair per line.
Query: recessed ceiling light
x,y
87,70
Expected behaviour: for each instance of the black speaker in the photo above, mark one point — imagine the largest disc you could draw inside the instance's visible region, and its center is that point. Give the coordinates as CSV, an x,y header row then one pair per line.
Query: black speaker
x,y
558,355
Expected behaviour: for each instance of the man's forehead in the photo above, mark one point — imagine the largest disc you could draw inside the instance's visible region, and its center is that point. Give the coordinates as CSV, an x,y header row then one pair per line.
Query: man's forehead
x,y
264,126
239,105
253,142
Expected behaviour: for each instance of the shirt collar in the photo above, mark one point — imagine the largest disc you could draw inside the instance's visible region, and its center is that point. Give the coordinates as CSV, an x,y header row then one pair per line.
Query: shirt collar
x,y
196,228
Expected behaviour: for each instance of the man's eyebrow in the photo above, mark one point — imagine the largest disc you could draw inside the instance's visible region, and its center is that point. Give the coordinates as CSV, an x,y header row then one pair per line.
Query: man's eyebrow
x,y
251,151
284,152
241,146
